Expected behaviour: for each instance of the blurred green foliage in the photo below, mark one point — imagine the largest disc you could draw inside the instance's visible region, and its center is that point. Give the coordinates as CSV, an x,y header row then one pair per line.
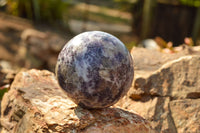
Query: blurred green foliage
x,y
130,45
3,90
195,3
49,11
99,17
125,5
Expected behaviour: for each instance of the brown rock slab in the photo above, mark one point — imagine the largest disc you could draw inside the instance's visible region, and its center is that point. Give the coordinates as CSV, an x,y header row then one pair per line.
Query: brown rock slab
x,y
186,114
166,89
179,78
155,110
35,103
147,61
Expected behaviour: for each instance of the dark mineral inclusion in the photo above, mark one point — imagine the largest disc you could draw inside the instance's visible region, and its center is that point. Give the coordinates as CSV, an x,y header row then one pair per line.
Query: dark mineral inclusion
x,y
95,69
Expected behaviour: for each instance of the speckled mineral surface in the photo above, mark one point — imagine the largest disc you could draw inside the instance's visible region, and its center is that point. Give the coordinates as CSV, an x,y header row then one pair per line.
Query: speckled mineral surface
x,y
95,69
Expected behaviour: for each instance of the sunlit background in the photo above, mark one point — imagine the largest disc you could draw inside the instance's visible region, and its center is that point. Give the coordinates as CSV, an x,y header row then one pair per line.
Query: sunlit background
x,y
32,32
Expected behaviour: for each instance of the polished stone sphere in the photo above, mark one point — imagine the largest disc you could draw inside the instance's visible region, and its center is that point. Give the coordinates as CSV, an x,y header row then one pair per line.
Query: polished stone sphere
x,y
95,69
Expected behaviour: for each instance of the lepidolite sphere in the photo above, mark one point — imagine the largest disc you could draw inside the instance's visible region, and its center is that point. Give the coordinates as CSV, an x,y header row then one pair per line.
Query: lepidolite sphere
x,y
95,69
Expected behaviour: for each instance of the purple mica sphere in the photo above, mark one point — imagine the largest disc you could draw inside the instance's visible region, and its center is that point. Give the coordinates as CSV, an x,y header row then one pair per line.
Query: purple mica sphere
x,y
95,69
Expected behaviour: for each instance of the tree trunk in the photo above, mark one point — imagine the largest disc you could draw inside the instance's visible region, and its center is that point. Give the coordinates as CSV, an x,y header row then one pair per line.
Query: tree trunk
x,y
148,13
196,26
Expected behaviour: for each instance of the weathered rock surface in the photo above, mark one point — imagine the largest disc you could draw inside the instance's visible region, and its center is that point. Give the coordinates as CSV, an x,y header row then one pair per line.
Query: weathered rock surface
x,y
166,89
186,114
147,61
177,79
35,103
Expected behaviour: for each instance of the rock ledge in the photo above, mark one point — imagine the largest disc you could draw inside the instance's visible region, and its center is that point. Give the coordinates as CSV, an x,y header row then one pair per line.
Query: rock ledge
x,y
35,103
